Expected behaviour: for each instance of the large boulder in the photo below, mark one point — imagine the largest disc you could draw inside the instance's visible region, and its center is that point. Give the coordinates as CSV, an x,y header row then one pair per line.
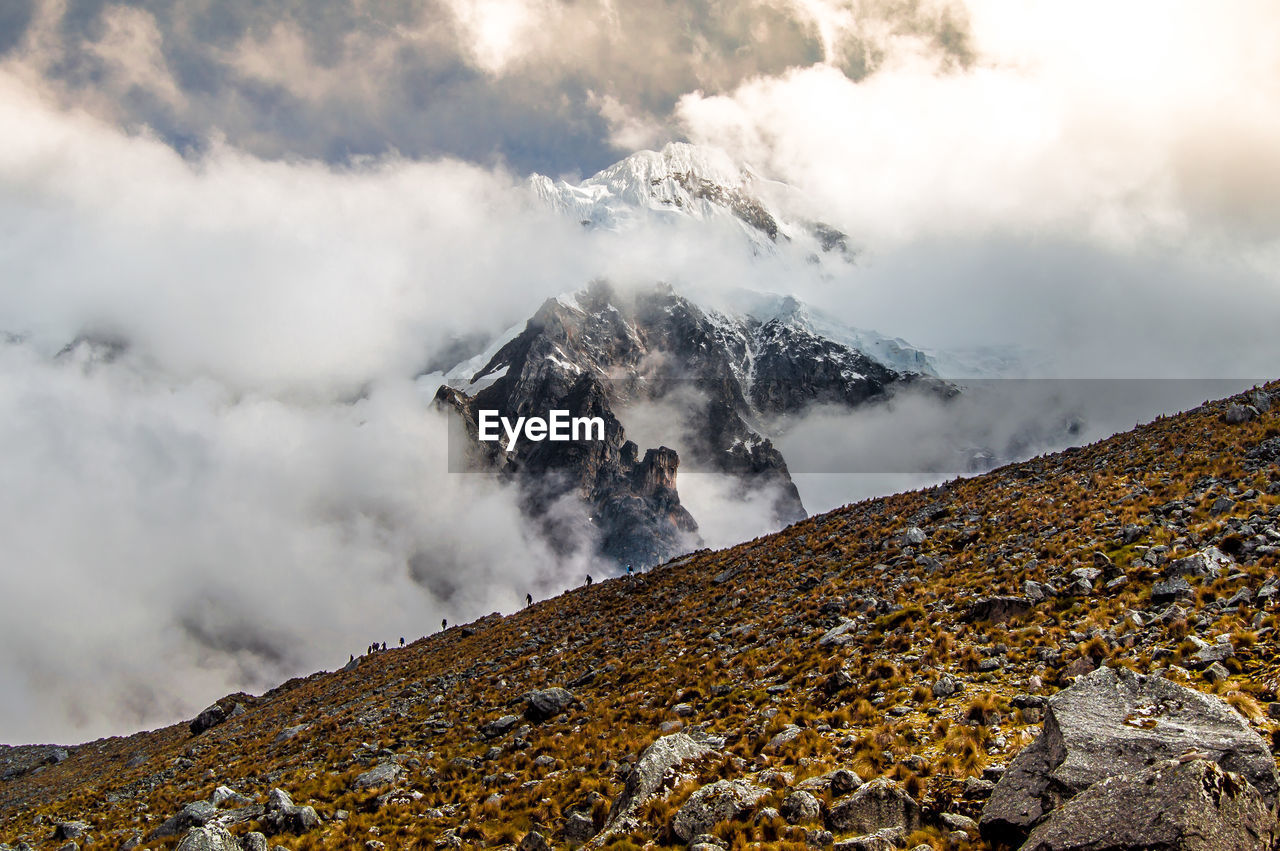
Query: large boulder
x,y
209,838
723,800
1172,806
874,806
547,703
207,720
1115,722
658,767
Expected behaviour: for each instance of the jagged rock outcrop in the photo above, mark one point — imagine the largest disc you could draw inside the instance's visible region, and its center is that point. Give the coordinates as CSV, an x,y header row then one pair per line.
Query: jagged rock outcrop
x,y
600,353
1114,722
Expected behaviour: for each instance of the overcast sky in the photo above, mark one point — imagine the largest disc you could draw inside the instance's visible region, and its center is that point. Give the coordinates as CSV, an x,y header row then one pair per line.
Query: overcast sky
x,y
284,214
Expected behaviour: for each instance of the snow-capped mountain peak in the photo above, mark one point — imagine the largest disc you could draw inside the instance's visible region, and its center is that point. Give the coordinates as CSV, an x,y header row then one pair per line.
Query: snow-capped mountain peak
x,y
687,182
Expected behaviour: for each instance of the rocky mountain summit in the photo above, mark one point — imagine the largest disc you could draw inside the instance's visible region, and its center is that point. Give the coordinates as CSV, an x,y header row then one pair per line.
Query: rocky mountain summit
x,y
1075,652
720,380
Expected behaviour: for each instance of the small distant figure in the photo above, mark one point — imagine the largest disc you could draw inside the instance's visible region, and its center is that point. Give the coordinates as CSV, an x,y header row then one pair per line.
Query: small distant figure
x,y
528,599
628,570
384,645
589,580
444,623
353,658
402,641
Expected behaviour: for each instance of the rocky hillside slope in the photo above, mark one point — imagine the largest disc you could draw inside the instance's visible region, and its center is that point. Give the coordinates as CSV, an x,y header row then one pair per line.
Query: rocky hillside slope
x,y
1079,651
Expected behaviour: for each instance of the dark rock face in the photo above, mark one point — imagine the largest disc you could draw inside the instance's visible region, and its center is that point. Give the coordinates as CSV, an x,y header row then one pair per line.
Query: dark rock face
x,y
600,353
1172,806
1114,722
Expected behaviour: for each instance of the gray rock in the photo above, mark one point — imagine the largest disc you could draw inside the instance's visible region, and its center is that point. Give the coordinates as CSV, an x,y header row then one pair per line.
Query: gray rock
x,y
800,807
998,609
1222,505
723,800
1113,722
500,726
207,720
209,838
842,781
1172,806
1216,673
838,635
1206,654
1078,587
383,774
70,829
886,839
1036,591
819,838
659,765
976,787
706,842
955,821
1192,565
227,795
1239,414
196,814
579,828
946,686
1170,590
283,816
914,537
873,806
785,736
534,841
289,733
545,704
253,841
